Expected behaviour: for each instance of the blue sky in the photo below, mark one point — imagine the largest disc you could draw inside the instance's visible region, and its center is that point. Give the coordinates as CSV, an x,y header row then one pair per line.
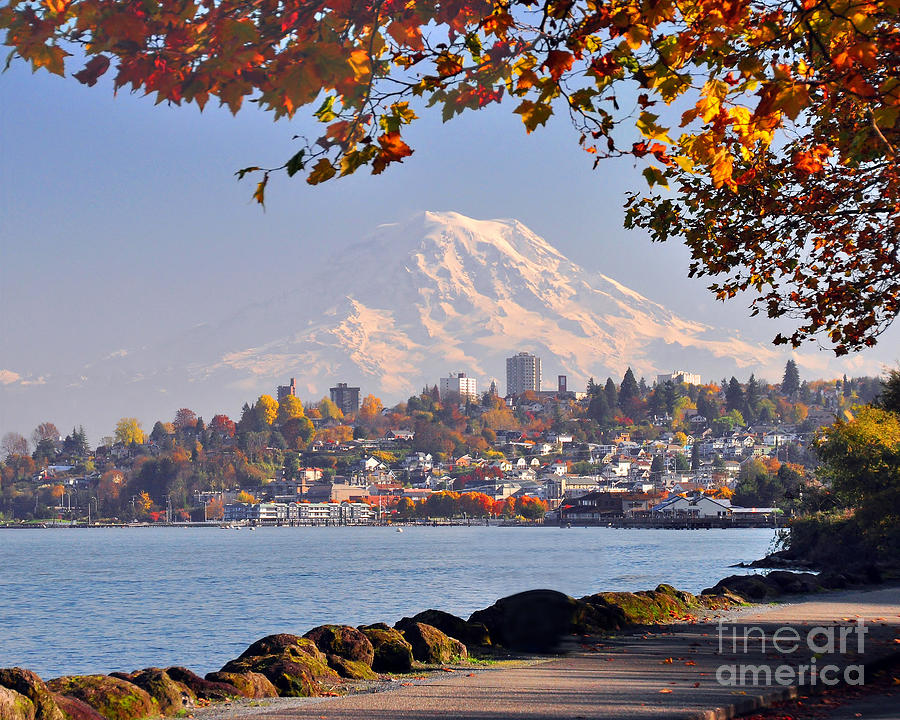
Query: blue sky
x,y
122,221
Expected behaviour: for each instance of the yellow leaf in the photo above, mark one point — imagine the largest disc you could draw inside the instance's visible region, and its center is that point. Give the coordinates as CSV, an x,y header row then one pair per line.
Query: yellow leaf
x,y
649,129
685,163
791,99
359,62
533,114
321,172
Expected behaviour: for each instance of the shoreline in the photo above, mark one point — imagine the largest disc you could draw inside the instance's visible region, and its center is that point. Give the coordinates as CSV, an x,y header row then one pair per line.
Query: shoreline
x,y
557,629
220,525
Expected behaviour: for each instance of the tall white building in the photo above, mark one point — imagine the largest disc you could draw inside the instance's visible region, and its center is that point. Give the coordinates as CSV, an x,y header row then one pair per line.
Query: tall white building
x,y
459,384
679,376
523,372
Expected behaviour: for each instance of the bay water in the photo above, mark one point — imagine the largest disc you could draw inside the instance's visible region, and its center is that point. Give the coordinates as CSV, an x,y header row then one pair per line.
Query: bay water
x,y
80,601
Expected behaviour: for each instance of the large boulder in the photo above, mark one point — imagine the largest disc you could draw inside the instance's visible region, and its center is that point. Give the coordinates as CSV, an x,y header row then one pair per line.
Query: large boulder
x,y
392,653
113,698
293,674
430,645
469,633
344,641
31,686
278,644
351,669
14,705
646,607
250,684
793,583
76,709
750,587
200,687
293,664
537,620
171,696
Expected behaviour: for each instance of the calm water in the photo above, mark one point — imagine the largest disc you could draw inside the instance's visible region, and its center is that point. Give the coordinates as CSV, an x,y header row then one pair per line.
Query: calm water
x,y
99,600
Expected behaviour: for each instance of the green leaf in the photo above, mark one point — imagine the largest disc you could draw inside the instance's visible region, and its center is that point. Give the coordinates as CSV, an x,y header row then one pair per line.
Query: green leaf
x,y
325,112
655,176
295,164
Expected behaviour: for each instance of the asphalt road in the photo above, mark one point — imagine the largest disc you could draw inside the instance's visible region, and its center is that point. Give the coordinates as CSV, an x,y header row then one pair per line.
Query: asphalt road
x,y
685,671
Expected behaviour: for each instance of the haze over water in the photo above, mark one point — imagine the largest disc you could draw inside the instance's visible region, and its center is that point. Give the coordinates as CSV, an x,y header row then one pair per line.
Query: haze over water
x,y
100,600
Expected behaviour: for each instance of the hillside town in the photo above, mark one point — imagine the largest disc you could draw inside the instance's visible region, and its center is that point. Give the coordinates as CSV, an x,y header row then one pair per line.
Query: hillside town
x,y
666,451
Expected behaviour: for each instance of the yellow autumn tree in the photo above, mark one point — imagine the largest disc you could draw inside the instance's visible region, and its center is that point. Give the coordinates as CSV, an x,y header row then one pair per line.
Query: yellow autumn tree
x,y
129,431
267,407
289,408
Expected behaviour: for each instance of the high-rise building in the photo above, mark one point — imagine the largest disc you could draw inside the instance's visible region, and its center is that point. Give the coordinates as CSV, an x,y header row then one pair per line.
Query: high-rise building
x,y
459,384
285,390
523,372
346,398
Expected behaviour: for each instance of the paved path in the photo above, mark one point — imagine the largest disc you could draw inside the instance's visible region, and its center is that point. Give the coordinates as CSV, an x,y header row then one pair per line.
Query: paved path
x,y
669,673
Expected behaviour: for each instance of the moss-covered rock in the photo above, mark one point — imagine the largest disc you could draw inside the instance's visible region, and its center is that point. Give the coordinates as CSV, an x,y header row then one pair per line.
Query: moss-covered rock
x,y
537,620
113,698
31,686
294,674
14,705
430,645
351,669
171,696
469,633
75,709
278,644
293,664
392,653
200,687
645,607
251,684
344,641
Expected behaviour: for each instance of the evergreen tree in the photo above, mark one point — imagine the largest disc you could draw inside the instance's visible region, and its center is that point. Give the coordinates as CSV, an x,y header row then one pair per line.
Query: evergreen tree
x,y
790,383
628,390
642,386
612,394
668,396
598,409
695,456
752,396
734,395
592,387
889,398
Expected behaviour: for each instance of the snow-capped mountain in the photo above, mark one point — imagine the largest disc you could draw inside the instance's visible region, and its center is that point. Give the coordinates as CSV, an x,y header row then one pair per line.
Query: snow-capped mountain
x,y
443,292
440,292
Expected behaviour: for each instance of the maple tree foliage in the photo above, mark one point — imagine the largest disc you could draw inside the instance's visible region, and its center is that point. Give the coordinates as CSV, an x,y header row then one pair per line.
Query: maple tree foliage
x,y
782,162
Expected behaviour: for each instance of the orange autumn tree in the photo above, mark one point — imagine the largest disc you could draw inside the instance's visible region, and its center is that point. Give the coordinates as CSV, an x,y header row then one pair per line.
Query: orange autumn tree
x,y
774,121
